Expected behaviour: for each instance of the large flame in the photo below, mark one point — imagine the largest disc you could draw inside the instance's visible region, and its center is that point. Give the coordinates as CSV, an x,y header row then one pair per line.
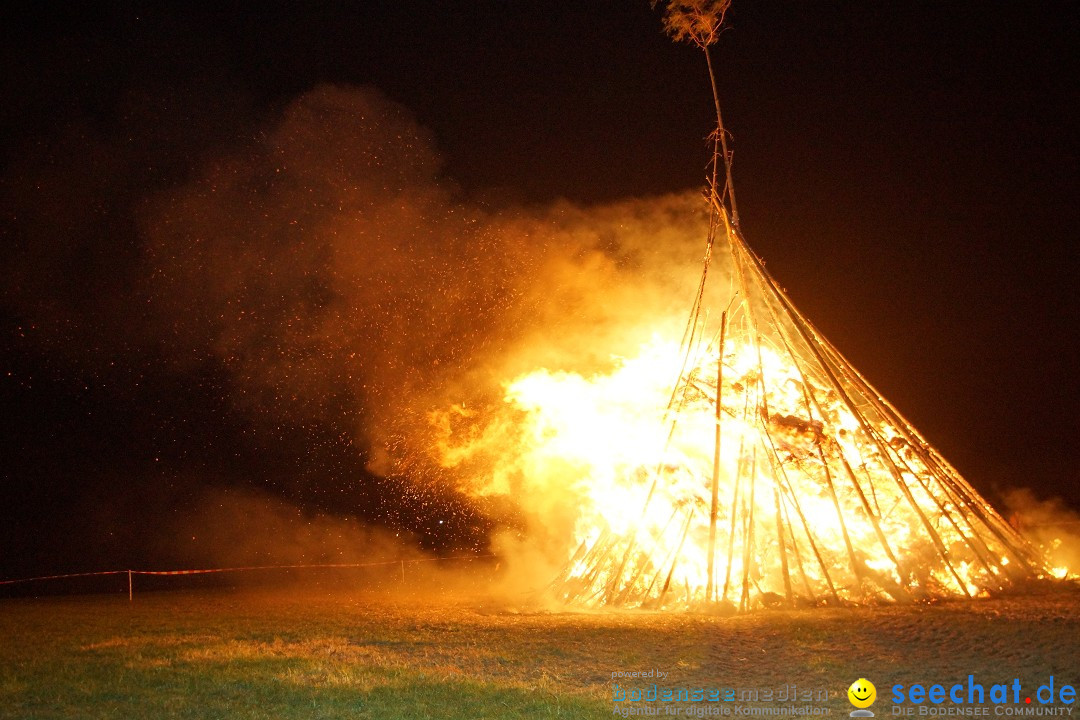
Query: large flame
x,y
746,465
784,528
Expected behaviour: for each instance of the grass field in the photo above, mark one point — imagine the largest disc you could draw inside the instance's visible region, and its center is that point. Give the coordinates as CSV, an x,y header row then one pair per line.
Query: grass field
x,y
283,654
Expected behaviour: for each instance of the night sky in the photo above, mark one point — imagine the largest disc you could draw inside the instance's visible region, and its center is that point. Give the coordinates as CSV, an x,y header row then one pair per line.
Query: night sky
x,y
907,170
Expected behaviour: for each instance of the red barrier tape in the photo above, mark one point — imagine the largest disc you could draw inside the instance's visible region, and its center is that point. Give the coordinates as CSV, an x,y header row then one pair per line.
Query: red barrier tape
x,y
57,577
205,571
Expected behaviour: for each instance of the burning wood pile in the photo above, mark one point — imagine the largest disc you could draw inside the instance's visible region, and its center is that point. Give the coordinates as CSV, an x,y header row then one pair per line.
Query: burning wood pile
x,y
781,476
746,465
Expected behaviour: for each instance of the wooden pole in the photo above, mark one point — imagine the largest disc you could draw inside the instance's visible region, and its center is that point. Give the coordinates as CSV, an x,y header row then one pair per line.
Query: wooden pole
x,y
131,588
402,572
675,559
798,556
731,530
748,535
729,183
780,542
716,462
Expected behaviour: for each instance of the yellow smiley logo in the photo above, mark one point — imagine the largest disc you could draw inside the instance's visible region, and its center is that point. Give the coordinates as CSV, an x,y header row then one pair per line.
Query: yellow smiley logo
x,y
862,693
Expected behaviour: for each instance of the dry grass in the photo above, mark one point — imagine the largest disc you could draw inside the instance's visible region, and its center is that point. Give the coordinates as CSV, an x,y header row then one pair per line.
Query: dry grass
x,y
368,655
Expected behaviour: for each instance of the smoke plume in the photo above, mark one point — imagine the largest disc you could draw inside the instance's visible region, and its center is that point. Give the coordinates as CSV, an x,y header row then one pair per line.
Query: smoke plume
x,y
321,264
1050,525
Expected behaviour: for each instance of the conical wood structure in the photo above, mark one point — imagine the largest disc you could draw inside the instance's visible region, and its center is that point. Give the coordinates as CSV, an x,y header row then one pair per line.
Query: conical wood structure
x,y
785,478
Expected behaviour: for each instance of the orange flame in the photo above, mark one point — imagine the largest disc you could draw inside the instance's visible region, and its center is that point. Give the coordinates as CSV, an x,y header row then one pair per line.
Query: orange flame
x,y
824,493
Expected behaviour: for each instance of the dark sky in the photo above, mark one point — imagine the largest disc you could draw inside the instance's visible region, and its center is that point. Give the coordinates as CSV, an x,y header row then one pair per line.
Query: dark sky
x,y
908,171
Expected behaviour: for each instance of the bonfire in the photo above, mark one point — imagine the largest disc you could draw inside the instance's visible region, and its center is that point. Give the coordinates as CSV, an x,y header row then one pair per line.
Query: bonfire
x,y
744,462
780,475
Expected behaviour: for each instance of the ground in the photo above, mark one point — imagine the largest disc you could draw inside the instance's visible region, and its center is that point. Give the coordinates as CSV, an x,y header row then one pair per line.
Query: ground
x,y
336,654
